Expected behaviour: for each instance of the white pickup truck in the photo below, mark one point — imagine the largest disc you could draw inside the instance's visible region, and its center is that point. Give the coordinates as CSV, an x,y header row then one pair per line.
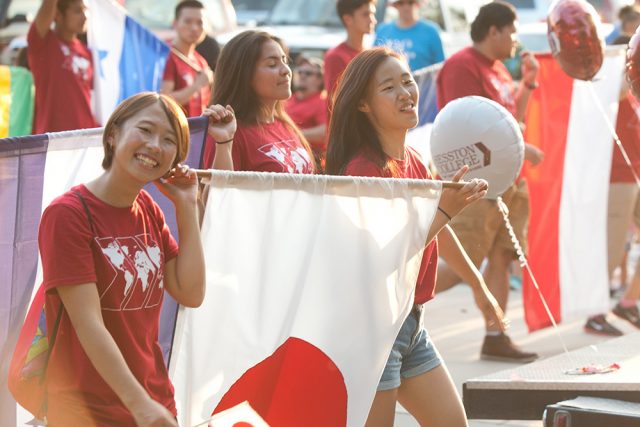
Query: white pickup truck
x,y
312,27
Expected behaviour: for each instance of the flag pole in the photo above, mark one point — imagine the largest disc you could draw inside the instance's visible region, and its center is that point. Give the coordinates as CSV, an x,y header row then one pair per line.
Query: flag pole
x,y
208,173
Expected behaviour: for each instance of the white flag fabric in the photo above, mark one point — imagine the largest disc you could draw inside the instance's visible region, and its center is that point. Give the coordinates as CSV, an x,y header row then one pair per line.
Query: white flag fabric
x,y
242,413
309,279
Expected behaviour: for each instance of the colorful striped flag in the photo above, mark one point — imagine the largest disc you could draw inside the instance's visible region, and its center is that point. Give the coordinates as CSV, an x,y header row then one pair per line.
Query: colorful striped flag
x,y
127,57
569,189
33,171
16,101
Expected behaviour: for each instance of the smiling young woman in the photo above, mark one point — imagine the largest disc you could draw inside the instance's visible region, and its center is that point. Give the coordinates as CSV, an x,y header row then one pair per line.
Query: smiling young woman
x,y
107,258
375,105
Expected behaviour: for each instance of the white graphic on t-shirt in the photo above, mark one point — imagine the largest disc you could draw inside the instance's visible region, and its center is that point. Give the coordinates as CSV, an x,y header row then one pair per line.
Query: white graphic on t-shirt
x,y
188,79
402,46
137,274
503,89
293,159
77,64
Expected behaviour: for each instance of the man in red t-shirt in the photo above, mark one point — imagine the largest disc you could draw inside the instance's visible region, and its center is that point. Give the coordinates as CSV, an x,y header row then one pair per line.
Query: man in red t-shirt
x,y
478,70
359,19
308,105
187,77
62,67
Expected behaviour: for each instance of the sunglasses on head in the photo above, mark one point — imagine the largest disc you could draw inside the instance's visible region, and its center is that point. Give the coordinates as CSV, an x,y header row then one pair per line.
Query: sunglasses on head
x,y
307,73
405,2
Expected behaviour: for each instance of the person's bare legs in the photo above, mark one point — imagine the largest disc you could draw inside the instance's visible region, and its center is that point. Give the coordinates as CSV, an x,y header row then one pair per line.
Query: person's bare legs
x,y
431,398
383,409
497,345
633,291
627,307
496,276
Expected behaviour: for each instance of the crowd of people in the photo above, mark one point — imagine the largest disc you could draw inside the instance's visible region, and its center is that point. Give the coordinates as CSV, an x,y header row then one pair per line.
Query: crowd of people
x,y
346,115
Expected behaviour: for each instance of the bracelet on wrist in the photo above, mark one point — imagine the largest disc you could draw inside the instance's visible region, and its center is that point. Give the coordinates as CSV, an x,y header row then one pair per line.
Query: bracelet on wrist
x,y
531,86
224,142
444,213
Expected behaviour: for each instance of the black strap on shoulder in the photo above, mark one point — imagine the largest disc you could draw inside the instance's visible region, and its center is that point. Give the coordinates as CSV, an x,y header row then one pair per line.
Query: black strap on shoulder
x,y
88,212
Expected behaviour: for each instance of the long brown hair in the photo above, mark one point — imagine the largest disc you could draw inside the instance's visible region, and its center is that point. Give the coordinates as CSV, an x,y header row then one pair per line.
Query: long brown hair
x,y
234,73
350,131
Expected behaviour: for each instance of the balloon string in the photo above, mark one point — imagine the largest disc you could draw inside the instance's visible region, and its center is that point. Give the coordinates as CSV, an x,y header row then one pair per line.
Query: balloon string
x,y
205,423
612,129
525,264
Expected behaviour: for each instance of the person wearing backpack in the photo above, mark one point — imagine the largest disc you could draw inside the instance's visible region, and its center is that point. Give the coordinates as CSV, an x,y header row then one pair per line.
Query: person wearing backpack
x,y
108,257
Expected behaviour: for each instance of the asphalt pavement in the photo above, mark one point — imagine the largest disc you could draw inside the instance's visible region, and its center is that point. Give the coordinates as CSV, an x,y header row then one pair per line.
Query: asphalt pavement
x,y
456,326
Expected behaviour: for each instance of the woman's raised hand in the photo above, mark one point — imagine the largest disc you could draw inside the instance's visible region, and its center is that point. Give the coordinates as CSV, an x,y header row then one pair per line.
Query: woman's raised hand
x,y
453,201
222,122
180,185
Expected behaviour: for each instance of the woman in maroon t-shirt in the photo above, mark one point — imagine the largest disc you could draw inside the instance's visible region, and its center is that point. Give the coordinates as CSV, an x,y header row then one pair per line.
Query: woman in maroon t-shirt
x,y
107,258
253,77
375,105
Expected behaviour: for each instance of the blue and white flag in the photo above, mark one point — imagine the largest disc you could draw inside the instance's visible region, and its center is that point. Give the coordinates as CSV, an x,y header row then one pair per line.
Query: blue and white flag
x,y
127,57
419,137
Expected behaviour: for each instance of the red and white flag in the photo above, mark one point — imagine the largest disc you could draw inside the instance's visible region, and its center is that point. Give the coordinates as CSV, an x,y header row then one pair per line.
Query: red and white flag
x,y
569,190
309,279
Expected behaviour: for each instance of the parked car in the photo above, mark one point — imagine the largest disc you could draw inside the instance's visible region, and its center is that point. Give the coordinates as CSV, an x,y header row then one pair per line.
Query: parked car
x,y
312,27
252,13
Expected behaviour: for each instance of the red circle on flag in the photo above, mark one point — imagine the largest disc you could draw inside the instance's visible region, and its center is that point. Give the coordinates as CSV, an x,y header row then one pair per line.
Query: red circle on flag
x,y
297,385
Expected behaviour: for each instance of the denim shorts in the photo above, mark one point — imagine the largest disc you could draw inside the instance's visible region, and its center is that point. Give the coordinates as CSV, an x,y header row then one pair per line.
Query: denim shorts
x,y
413,353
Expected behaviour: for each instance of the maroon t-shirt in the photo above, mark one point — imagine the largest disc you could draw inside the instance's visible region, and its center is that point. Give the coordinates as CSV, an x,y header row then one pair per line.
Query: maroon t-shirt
x,y
269,147
335,61
469,72
63,78
411,167
125,258
308,113
183,75
628,130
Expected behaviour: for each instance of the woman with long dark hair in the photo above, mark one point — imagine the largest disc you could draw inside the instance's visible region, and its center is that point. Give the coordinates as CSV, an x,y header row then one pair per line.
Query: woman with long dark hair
x,y
253,78
374,107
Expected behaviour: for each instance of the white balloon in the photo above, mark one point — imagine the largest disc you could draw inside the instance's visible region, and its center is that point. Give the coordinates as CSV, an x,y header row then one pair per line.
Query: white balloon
x,y
481,133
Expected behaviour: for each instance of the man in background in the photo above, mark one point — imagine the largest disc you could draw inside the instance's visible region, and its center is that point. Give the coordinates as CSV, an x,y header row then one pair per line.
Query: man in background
x,y
308,105
359,19
62,67
418,40
478,70
187,77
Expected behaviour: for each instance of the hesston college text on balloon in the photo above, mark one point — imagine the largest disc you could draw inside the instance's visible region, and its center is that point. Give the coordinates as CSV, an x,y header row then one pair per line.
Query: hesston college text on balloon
x,y
476,156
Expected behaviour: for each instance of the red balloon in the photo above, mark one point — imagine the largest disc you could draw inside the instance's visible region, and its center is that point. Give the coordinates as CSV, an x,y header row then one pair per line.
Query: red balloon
x,y
574,40
633,64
